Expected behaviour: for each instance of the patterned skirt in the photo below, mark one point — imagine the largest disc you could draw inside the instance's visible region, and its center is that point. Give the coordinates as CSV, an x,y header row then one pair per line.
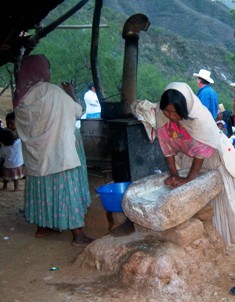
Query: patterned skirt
x,y
13,173
59,200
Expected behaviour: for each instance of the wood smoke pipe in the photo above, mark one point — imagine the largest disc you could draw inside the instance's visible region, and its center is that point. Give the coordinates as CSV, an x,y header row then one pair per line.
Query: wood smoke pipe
x,y
130,33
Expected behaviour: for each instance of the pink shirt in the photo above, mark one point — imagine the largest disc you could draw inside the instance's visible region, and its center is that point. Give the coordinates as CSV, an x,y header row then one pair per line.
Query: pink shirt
x,y
174,139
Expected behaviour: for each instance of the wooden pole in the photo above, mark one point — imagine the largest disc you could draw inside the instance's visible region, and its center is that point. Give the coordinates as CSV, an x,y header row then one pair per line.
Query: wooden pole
x,y
33,40
80,26
94,49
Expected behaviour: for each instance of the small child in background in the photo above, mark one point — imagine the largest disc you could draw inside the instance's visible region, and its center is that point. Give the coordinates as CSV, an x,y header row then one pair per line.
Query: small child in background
x,y
10,122
11,151
221,126
221,123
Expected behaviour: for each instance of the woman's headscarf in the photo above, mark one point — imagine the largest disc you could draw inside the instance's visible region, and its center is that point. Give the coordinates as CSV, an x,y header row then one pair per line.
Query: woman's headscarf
x,y
200,124
34,69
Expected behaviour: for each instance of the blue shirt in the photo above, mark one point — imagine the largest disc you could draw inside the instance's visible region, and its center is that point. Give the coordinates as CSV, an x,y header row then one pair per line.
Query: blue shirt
x,y
209,99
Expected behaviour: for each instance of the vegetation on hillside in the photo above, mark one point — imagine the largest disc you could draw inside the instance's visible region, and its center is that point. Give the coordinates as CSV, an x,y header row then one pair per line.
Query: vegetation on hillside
x,y
164,55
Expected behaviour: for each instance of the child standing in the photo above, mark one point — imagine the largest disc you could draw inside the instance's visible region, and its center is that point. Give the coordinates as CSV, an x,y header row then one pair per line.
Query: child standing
x,y
10,122
11,151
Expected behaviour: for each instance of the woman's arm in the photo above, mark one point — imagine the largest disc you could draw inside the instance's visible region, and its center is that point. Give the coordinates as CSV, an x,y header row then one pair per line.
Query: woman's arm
x,y
195,168
69,89
193,172
173,171
171,165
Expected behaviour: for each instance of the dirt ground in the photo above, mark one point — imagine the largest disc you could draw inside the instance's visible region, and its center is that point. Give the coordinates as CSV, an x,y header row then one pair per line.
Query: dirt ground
x,y
26,261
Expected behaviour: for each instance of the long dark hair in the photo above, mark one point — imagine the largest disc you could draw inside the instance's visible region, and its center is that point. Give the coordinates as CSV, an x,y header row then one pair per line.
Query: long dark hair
x,y
176,98
7,137
10,116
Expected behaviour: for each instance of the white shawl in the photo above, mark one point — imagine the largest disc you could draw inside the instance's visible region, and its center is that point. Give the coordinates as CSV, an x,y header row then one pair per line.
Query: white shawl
x,y
45,122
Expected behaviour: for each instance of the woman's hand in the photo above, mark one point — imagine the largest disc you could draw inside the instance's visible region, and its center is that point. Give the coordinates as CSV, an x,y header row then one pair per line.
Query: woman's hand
x,y
69,87
176,180
169,180
179,181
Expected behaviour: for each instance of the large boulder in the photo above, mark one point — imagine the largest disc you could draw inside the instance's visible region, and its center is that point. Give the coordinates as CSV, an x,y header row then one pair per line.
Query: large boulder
x,y
150,204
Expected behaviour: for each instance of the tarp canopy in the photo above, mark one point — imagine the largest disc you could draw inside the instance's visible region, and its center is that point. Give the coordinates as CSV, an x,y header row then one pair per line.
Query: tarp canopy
x,y
17,17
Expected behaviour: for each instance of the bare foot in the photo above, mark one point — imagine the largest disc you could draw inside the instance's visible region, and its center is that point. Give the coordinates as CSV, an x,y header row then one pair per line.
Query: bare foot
x,y
126,228
43,232
81,241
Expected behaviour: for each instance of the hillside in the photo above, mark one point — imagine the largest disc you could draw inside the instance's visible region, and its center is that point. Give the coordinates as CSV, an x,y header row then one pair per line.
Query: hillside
x,y
229,3
184,36
199,20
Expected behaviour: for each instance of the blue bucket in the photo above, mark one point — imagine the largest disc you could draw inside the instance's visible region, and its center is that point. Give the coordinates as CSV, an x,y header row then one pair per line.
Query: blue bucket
x,y
111,195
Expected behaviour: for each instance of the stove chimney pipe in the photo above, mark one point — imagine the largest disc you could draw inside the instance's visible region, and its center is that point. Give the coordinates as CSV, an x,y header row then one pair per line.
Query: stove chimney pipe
x,y
130,33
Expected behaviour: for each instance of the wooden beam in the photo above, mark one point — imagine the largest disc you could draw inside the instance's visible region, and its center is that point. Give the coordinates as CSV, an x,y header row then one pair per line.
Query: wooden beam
x,y
94,50
80,26
41,33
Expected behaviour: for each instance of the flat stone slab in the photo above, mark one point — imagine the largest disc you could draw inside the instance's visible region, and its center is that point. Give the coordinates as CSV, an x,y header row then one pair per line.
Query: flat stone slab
x,y
151,204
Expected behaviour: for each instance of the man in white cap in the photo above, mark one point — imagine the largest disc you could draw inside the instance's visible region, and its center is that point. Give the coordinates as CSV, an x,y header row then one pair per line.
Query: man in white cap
x,y
206,93
233,85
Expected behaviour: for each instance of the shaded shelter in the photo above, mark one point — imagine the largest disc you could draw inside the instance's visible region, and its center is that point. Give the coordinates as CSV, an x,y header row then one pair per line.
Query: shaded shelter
x,y
18,17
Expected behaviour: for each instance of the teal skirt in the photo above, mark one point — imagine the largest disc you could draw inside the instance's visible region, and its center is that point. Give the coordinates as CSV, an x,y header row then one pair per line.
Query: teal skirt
x,y
59,200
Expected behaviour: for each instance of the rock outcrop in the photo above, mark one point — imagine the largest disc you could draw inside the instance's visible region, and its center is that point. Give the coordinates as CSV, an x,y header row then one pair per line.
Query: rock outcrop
x,y
150,204
170,257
